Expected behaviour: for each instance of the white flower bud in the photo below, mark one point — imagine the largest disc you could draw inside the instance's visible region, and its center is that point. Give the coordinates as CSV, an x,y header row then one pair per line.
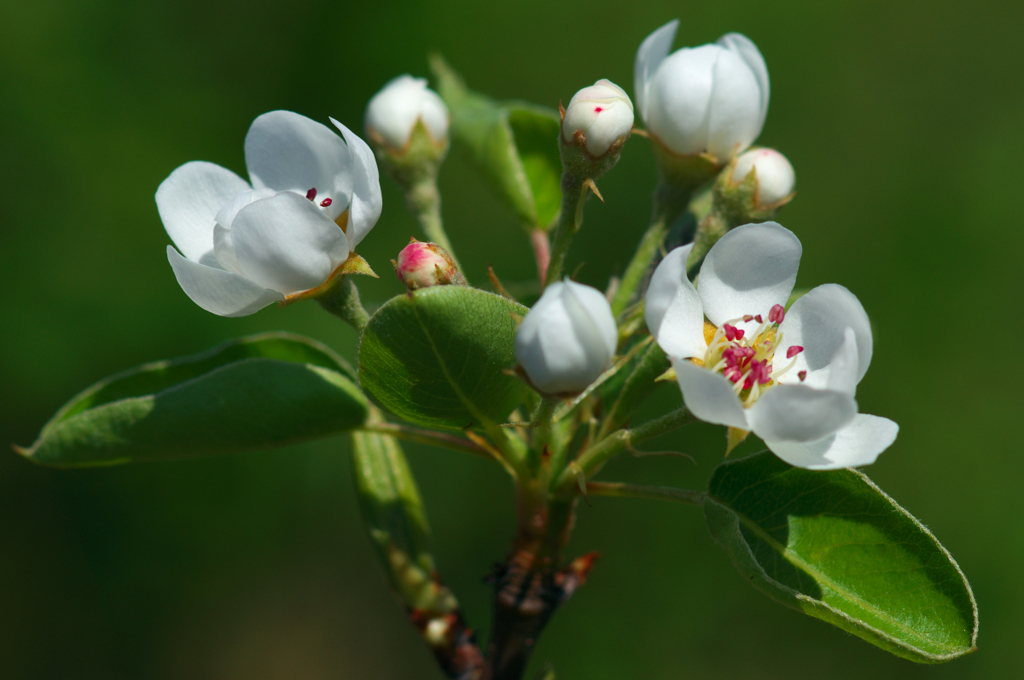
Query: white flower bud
x,y
709,99
392,113
567,340
603,113
775,175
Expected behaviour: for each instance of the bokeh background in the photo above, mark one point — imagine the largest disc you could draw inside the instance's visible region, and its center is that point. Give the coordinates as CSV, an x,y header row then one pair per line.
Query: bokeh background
x,y
904,123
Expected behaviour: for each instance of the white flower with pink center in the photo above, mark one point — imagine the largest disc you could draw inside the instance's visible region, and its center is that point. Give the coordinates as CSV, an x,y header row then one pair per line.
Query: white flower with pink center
x,y
741,360
314,196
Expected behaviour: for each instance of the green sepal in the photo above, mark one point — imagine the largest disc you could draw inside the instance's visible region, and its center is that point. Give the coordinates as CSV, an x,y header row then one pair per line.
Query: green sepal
x,y
251,393
514,144
834,546
439,357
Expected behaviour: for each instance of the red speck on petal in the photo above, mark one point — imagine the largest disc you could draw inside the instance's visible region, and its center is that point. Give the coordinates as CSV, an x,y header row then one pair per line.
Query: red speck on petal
x,y
598,109
326,202
311,194
793,351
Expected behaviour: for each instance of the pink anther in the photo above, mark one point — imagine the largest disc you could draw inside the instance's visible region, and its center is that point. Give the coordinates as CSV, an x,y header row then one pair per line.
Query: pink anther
x,y
326,202
777,314
311,194
793,351
802,375
732,333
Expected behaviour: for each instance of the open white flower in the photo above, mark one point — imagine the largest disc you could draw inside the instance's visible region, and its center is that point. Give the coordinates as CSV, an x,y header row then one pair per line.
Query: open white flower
x,y
567,340
709,99
602,113
313,198
742,361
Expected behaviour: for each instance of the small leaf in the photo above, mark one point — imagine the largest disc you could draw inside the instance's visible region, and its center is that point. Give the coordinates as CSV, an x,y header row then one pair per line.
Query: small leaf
x,y
513,144
252,393
436,357
834,546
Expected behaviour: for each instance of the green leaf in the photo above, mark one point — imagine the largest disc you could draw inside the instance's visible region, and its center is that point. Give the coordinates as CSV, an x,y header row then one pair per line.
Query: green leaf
x,y
513,144
834,546
437,357
252,393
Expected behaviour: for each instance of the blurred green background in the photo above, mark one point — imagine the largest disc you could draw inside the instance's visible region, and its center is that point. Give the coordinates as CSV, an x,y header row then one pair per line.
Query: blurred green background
x,y
904,122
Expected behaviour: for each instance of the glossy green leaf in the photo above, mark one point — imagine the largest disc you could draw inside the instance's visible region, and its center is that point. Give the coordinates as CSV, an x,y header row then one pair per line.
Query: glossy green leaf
x,y
437,357
252,393
834,546
513,144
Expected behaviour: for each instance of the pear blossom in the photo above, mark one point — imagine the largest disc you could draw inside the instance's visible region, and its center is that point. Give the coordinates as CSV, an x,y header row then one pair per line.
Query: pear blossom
x,y
393,112
602,113
741,360
313,197
710,99
774,173
567,340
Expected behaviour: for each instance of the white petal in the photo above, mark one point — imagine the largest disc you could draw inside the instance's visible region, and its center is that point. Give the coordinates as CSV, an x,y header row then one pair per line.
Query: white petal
x,y
859,443
678,97
599,313
215,290
775,175
751,268
800,413
652,52
189,199
285,151
747,50
734,113
709,396
287,244
366,205
818,322
223,247
672,308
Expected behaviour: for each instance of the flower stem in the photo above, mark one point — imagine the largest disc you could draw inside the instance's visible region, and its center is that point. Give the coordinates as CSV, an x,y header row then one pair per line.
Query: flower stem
x,y
713,227
342,300
570,219
591,460
664,493
541,253
544,417
670,202
424,201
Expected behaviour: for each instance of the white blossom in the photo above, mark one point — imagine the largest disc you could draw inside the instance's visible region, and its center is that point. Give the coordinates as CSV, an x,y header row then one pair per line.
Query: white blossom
x,y
392,113
602,113
709,99
314,196
567,340
741,360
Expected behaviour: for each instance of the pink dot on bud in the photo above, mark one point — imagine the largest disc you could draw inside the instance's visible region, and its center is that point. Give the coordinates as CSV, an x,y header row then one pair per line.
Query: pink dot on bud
x,y
598,109
793,351
311,194
777,314
326,202
802,375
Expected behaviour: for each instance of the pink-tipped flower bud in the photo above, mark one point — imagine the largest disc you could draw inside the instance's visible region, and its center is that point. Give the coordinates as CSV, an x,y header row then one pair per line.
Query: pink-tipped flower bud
x,y
774,173
599,116
421,265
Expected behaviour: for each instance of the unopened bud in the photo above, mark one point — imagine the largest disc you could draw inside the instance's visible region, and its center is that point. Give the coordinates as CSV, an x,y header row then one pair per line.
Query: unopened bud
x,y
421,265
598,117
393,113
567,340
773,172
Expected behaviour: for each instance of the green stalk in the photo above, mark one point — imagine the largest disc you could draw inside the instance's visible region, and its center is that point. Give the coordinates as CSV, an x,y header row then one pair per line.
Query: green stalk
x,y
342,300
423,200
661,493
570,219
